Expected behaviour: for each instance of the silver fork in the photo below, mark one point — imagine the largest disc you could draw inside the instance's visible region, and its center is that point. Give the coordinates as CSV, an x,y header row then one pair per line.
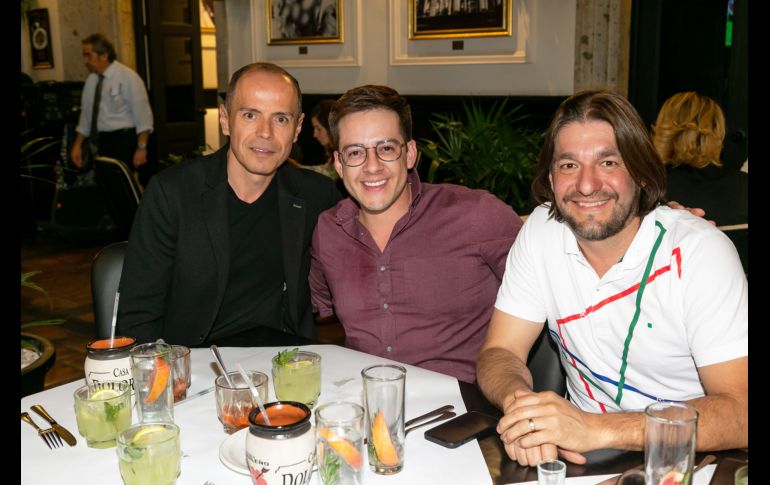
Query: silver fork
x,y
49,436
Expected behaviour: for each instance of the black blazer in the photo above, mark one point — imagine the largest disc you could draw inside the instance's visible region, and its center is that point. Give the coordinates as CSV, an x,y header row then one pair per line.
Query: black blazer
x,y
177,260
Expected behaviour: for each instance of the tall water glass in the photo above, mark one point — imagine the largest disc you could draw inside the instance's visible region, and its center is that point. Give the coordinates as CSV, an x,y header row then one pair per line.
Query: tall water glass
x,y
384,403
151,366
340,443
669,442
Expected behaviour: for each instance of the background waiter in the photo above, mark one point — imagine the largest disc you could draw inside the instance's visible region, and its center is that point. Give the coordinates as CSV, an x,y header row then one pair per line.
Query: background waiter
x,y
115,107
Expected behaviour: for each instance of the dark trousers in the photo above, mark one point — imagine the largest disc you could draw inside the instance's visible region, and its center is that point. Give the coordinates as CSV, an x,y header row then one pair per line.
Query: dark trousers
x,y
121,144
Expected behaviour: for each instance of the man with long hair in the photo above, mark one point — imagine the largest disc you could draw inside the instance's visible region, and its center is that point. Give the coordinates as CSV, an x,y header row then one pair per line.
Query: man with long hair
x,y
645,303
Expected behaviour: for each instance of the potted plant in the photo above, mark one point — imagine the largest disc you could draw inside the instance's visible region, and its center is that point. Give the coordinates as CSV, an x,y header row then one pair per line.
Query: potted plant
x,y
485,149
37,353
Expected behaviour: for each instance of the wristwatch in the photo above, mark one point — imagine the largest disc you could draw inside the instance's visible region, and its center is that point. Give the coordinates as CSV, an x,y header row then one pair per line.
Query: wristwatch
x,y
141,146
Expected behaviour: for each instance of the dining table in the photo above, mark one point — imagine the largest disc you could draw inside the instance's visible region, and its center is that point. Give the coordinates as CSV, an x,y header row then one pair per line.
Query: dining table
x,y
209,455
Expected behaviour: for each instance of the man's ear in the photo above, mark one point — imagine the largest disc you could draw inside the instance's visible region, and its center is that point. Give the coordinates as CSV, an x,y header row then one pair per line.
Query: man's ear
x,y
338,164
299,126
224,120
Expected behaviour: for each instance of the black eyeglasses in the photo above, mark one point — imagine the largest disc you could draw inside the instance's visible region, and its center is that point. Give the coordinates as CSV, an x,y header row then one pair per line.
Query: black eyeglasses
x,y
386,150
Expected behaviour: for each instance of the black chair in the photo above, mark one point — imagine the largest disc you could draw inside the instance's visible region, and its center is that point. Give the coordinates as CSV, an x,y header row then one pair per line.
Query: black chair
x,y
106,269
121,191
545,365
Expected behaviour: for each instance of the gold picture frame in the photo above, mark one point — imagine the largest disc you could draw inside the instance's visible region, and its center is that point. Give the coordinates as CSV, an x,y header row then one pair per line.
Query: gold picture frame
x,y
448,19
304,22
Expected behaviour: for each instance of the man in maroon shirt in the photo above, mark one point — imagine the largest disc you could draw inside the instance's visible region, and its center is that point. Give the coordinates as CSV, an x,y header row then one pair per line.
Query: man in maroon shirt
x,y
411,269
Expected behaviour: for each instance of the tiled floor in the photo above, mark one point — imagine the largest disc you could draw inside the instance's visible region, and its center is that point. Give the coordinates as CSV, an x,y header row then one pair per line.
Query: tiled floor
x,y
65,274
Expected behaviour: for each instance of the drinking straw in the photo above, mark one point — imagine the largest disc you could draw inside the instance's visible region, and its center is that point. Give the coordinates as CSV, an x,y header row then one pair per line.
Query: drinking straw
x,y
254,393
114,317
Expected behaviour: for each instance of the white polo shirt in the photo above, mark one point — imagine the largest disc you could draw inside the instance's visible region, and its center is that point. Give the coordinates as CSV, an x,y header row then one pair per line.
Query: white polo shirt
x,y
692,311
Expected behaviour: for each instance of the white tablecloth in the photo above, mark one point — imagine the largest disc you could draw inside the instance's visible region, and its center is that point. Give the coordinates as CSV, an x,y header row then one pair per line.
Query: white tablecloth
x,y
202,434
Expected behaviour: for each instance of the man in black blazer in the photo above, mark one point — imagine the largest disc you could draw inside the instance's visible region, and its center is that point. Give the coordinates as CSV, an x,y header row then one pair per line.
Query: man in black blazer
x,y
220,246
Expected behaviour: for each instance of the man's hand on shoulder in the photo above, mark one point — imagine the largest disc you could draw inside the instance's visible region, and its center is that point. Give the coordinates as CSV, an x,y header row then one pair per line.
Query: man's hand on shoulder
x,y
696,211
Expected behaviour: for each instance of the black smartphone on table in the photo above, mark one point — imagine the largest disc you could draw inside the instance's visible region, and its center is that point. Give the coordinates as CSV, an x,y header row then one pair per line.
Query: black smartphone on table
x,y
462,429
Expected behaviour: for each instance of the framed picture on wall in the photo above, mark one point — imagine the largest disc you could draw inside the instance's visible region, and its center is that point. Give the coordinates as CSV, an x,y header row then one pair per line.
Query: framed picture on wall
x,y
444,19
40,38
304,22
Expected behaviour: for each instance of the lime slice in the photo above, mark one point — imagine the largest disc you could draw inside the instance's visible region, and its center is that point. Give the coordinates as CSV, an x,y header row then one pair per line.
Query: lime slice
x,y
299,363
103,394
151,434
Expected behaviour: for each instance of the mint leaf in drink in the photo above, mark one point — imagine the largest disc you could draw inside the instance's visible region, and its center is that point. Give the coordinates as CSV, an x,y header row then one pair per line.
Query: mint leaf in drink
x,y
330,471
286,356
112,410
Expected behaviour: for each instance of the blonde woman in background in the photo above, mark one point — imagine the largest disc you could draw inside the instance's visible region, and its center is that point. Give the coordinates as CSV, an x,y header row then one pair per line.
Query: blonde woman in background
x,y
688,135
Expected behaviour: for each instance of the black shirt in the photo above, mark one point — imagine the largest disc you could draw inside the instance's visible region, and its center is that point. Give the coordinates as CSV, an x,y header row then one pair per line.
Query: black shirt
x,y
255,283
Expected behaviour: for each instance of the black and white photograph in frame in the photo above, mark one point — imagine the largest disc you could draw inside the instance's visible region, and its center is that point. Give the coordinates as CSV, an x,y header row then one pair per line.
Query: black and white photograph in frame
x,y
444,19
304,22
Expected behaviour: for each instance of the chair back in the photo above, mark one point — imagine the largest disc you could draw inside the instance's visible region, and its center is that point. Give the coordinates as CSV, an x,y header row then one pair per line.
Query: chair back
x,y
545,366
121,191
106,269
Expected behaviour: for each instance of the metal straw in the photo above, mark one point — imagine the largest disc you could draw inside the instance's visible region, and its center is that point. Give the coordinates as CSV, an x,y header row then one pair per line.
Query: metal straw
x,y
218,360
114,317
254,393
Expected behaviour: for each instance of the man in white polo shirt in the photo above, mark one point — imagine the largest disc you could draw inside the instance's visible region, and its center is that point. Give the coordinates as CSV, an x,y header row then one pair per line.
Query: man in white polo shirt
x,y
644,302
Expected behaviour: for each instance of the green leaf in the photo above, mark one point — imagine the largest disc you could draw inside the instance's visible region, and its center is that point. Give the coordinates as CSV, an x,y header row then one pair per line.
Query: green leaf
x,y
330,470
112,410
285,356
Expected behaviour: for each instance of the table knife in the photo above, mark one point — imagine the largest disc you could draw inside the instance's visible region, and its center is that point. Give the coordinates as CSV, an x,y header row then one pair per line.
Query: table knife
x,y
65,435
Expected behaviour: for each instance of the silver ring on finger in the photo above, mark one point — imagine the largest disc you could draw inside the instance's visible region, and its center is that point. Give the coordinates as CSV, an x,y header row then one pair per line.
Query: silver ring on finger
x,y
532,427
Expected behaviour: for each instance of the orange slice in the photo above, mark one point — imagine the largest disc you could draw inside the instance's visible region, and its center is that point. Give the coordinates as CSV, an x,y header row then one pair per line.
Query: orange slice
x,y
159,380
672,478
343,447
383,445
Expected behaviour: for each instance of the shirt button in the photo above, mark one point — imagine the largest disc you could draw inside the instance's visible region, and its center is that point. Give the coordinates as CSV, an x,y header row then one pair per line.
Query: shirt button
x,y
200,337
382,268
389,348
384,306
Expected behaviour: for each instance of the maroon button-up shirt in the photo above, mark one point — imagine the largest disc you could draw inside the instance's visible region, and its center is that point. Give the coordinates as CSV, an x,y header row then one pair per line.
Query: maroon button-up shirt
x,y
427,298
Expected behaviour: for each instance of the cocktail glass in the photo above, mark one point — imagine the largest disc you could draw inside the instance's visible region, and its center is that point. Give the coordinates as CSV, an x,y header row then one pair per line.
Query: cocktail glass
x,y
148,454
235,403
340,443
151,366
384,404
742,475
102,411
669,442
298,378
180,355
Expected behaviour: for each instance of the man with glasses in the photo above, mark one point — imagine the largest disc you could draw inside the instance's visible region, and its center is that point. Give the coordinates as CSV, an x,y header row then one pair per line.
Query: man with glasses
x,y
411,269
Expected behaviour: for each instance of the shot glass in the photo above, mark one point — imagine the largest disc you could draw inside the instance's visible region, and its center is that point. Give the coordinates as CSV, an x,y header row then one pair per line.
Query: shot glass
x,y
151,366
384,404
298,379
149,453
102,411
180,356
742,475
551,472
340,443
235,403
669,441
